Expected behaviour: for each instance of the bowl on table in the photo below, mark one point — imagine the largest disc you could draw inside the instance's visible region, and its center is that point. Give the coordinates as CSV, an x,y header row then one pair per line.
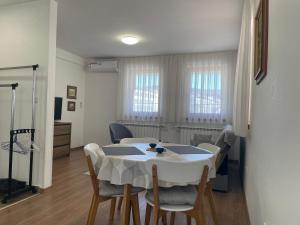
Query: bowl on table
x,y
160,150
152,145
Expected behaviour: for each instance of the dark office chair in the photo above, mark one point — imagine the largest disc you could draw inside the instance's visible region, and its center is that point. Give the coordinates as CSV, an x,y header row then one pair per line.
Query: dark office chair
x,y
119,131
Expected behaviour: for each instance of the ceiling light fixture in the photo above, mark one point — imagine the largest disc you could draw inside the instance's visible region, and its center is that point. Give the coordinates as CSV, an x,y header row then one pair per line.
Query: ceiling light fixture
x,y
130,40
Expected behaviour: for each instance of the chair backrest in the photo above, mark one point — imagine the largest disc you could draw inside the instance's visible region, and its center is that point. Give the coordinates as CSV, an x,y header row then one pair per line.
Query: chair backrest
x,y
139,140
118,131
203,176
92,152
177,171
212,148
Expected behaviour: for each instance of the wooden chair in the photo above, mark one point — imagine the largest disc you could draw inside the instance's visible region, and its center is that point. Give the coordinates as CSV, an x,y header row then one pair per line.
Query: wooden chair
x,y
208,192
99,188
186,199
215,150
195,211
132,141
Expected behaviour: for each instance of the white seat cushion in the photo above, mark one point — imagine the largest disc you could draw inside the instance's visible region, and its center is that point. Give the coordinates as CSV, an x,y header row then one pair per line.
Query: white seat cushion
x,y
173,208
175,195
107,189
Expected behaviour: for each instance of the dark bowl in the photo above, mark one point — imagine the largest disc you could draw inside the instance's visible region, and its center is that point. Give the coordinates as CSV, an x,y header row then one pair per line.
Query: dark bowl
x,y
152,145
160,150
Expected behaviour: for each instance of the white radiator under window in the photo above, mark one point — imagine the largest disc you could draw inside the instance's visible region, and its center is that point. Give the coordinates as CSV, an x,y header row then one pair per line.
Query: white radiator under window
x,y
144,130
184,133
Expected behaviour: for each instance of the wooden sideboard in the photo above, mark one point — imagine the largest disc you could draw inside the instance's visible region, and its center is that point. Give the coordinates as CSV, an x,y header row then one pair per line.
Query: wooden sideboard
x,y
61,139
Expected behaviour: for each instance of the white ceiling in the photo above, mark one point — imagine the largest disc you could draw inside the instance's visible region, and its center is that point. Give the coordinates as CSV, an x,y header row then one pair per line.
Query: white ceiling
x,y
91,28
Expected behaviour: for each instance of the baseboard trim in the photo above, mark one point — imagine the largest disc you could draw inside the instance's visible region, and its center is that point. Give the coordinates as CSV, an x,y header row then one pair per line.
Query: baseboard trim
x,y
77,148
246,203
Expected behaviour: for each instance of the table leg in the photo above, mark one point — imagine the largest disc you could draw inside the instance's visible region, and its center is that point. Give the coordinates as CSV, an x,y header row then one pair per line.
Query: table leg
x,y
126,205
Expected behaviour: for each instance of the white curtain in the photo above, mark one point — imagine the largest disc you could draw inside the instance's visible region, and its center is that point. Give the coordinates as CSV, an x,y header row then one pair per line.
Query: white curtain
x,y
189,88
206,88
143,89
243,76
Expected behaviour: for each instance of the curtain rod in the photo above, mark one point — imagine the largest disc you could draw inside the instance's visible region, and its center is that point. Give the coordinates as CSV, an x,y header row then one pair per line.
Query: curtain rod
x,y
34,67
14,85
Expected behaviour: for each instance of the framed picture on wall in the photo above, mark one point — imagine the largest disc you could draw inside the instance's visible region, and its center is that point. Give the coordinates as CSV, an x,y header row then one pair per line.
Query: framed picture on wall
x,y
261,41
71,106
71,92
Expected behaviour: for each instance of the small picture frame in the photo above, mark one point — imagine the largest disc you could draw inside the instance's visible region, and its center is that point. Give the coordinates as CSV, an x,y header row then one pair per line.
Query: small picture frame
x,y
261,41
71,92
71,106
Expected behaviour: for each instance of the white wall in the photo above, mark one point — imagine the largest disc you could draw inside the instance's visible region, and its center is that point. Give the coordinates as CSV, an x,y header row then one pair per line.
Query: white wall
x,y
28,36
70,71
272,181
100,106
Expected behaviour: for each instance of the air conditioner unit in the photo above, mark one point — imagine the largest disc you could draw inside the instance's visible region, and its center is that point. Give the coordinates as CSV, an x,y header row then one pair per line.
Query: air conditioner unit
x,y
103,66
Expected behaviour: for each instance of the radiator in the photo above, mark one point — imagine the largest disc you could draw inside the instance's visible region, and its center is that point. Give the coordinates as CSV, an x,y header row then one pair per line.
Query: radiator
x,y
185,133
140,130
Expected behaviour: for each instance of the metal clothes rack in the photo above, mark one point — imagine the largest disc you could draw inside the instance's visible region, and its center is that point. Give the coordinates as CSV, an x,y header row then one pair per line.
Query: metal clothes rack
x,y
9,186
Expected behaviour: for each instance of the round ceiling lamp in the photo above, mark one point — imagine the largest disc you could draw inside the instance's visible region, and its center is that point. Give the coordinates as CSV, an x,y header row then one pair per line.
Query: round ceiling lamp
x,y
130,40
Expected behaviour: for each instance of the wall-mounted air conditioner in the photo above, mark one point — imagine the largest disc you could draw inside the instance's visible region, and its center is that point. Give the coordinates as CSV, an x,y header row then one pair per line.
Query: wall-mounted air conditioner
x,y
103,66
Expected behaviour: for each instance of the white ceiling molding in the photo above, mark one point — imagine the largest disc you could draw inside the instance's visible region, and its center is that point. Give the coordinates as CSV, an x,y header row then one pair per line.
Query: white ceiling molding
x,y
70,57
13,2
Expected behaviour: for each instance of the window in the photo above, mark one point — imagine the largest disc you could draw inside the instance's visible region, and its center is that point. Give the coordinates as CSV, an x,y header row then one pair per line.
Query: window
x,y
146,93
183,89
140,95
205,93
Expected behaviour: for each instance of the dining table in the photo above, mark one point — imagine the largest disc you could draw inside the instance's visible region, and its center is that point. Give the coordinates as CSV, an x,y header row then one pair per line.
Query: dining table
x,y
130,165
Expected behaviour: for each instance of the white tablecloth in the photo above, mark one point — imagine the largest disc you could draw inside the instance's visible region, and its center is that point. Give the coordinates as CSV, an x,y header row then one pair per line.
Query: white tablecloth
x,y
136,169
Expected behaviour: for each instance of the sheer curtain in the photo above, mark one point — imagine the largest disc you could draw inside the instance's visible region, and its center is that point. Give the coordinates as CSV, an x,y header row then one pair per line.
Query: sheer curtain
x,y
243,76
143,88
190,88
205,87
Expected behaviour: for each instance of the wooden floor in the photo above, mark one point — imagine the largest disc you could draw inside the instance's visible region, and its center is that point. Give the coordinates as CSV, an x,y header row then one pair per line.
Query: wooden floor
x,y
68,201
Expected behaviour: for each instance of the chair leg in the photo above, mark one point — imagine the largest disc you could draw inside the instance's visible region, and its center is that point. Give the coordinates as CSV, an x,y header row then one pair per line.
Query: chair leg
x,y
112,209
126,205
136,210
212,204
120,203
93,210
156,216
201,216
148,214
172,221
164,218
197,219
188,220
90,211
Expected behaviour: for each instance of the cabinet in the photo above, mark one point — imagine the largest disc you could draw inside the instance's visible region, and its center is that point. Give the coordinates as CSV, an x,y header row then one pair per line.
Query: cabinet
x,y
62,139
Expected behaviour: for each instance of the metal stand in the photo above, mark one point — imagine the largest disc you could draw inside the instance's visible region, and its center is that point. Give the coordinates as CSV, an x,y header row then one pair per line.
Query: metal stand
x,y
10,186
